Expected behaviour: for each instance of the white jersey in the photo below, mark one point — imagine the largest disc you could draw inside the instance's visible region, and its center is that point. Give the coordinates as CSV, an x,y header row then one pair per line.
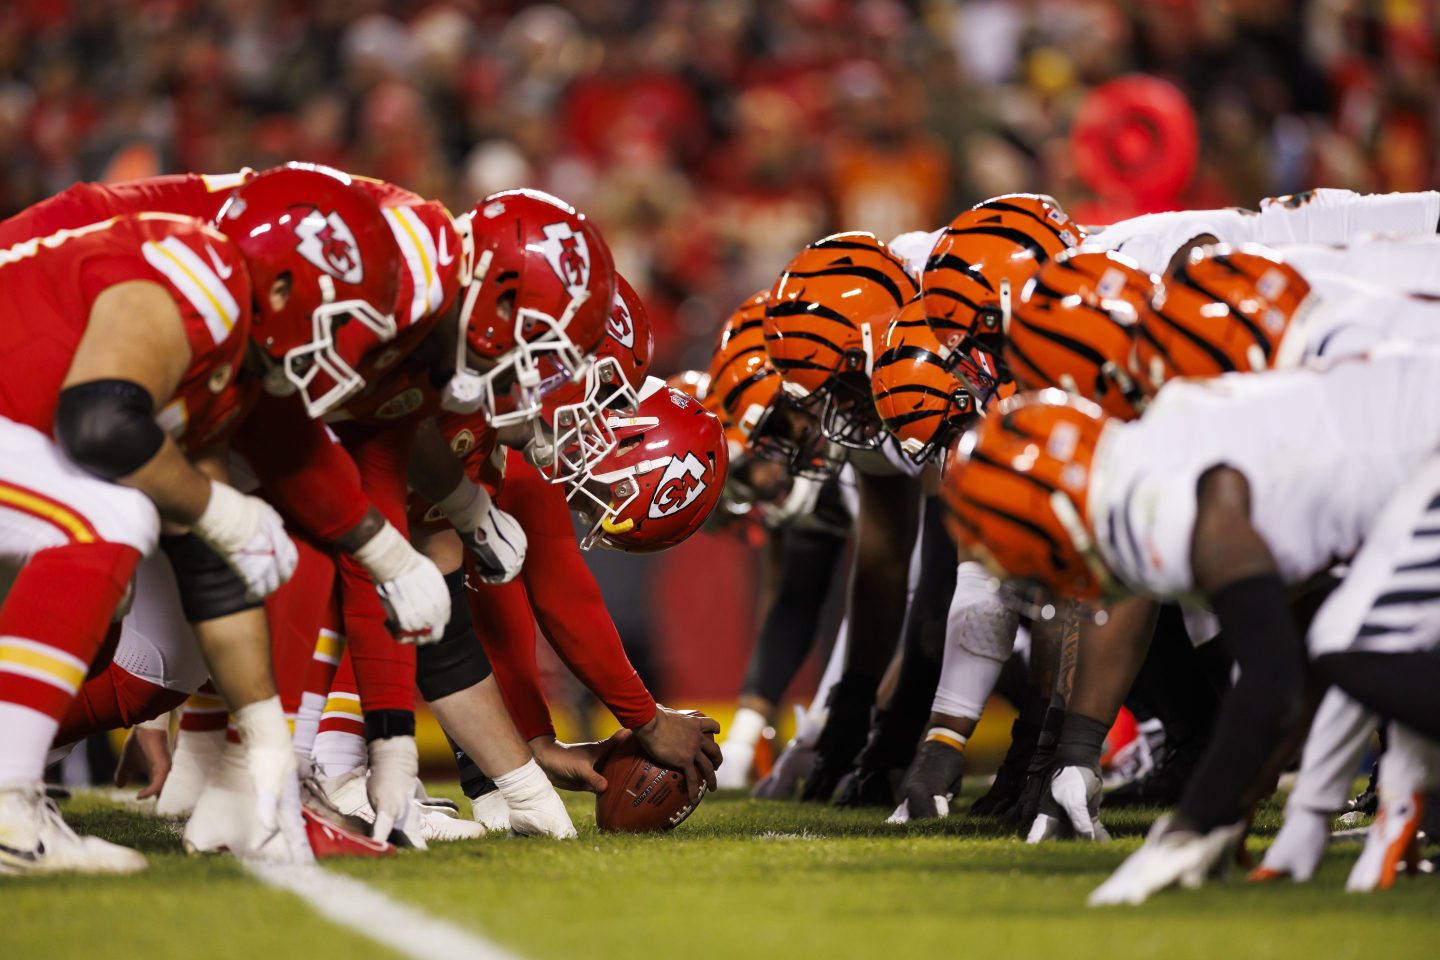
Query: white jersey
x,y
1322,450
1411,264
1349,317
1327,216
914,248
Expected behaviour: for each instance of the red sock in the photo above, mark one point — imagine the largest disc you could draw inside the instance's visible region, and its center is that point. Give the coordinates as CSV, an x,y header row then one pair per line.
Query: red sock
x,y
55,618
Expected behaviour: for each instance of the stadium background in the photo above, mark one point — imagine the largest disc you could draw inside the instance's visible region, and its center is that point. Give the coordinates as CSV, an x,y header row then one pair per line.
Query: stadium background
x,y
711,139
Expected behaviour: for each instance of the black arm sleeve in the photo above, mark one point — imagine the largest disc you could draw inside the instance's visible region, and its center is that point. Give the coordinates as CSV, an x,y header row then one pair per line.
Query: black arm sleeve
x,y
209,589
107,427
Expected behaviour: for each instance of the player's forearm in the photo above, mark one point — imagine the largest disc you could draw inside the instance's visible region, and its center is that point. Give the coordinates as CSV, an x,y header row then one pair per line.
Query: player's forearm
x,y
435,471
179,491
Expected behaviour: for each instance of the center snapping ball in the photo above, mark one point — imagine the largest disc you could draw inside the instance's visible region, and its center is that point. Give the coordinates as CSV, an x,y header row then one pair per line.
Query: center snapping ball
x,y
642,796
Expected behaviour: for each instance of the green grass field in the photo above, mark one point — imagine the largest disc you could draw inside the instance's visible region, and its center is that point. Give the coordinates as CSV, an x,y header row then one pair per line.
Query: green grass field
x,y
741,878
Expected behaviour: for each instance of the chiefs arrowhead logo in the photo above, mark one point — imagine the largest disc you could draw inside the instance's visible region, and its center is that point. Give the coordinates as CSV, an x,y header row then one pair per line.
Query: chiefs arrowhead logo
x,y
327,242
621,326
568,255
683,481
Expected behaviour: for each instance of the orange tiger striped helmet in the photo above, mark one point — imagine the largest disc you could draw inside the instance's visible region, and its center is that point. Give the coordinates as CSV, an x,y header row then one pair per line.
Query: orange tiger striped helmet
x,y
1016,489
981,262
919,400
742,382
825,325
1074,327
1224,309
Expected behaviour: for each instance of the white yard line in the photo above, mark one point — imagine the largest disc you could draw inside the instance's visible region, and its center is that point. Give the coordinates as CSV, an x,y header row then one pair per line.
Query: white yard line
x,y
366,911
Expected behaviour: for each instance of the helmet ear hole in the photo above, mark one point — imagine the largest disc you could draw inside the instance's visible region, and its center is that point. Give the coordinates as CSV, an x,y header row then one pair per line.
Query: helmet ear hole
x,y
279,293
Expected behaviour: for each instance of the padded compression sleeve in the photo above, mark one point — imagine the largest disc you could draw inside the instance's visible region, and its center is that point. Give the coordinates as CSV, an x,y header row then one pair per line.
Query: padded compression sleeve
x,y
107,427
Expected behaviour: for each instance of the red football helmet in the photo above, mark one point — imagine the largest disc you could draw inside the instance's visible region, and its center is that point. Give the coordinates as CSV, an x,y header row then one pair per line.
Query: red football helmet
x,y
662,479
578,412
541,296
310,227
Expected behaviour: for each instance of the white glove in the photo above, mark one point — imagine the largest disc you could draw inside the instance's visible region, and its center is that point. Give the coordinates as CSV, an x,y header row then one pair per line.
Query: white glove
x,y
492,535
1070,807
250,537
413,590
270,760
394,769
535,808
1168,857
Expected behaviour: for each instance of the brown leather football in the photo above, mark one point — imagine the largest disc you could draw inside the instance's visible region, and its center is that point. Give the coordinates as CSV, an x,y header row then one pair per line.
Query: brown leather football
x,y
642,796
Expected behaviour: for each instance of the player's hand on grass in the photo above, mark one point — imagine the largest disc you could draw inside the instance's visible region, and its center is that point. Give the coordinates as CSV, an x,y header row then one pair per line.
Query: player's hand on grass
x,y
575,766
1069,807
683,740
394,768
146,754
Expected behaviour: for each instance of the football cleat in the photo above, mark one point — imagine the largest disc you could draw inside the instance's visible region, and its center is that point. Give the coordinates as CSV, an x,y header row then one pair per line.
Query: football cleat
x,y
331,840
490,811
34,839
347,793
734,770
1391,842
1298,848
1168,857
196,754
793,765
931,783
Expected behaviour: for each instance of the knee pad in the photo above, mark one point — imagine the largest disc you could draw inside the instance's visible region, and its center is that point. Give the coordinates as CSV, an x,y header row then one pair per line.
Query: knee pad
x,y
208,588
979,622
457,662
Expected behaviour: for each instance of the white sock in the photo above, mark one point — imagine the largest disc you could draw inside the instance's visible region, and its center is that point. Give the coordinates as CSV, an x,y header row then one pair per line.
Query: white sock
x,y
338,752
307,722
746,728
523,784
26,742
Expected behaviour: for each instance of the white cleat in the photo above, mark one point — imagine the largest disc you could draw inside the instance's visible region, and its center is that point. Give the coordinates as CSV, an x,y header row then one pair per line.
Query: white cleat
x,y
1389,844
1298,848
35,840
490,811
736,760
196,754
1167,858
225,817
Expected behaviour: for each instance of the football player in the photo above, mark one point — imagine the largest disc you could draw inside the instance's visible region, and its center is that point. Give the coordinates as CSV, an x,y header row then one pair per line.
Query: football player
x,y
1213,497
139,312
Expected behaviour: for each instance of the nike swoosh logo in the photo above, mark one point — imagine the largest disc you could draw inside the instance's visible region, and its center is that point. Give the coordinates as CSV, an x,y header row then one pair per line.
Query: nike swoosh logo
x,y
222,269
29,856
446,257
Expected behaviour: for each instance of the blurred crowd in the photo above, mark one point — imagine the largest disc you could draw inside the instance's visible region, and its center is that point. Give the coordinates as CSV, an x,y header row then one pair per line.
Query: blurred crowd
x,y
711,138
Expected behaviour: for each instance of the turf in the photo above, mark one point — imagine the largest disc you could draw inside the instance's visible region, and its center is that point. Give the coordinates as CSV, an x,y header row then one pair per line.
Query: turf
x,y
741,878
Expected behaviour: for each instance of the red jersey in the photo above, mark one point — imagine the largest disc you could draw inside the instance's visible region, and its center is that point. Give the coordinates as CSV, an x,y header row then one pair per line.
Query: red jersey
x,y
52,283
423,229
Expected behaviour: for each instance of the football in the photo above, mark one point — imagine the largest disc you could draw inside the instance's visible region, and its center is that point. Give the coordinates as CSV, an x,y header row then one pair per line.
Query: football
x,y
643,796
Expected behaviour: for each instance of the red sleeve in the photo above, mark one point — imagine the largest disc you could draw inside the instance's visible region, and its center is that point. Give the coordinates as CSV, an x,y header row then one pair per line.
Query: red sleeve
x,y
567,600
384,669
504,623
304,473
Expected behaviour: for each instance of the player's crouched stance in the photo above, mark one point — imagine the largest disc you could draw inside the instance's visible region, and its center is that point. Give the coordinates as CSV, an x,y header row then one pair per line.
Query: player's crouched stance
x,y
102,327
1228,492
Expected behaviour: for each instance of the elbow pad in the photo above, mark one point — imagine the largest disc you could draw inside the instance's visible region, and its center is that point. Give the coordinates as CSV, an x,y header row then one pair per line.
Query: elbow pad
x,y
107,427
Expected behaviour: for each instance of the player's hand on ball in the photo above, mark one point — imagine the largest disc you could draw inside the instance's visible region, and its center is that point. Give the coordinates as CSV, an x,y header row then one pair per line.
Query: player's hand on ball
x,y
684,740
575,766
